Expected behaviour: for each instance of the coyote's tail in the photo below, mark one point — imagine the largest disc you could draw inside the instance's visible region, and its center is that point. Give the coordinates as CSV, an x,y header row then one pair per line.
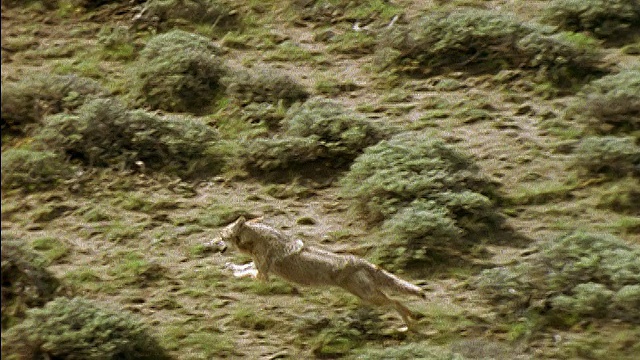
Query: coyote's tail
x,y
394,283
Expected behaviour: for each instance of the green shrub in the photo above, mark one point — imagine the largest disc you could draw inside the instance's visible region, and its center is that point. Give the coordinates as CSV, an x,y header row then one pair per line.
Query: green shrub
x,y
606,19
610,104
169,13
263,85
26,283
333,338
80,329
428,196
178,71
488,42
615,156
576,276
316,131
104,133
27,101
32,169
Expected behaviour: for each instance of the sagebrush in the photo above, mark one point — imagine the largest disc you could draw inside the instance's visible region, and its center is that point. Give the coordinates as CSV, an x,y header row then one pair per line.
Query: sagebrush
x,y
33,170
610,104
611,155
429,197
178,71
80,329
26,283
607,19
26,102
316,131
490,42
572,278
104,133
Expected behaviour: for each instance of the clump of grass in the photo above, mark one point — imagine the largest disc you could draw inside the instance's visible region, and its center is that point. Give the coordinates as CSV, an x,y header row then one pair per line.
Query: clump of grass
x,y
263,85
333,338
610,104
575,277
104,133
315,132
610,155
80,329
612,20
26,283
26,102
491,42
53,249
33,170
178,71
117,43
249,319
622,196
429,198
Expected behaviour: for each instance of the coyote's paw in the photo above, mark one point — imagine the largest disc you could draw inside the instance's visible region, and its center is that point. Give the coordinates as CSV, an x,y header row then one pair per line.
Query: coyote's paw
x,y
242,270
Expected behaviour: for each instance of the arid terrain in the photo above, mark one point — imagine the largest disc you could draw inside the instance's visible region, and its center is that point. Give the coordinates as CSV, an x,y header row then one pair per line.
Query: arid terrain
x,y
485,150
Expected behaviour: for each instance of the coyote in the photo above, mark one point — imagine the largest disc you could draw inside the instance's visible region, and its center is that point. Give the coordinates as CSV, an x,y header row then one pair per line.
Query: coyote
x,y
274,252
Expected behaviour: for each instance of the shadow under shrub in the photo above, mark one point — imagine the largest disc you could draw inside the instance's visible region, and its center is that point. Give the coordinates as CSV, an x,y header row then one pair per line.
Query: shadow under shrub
x,y
318,131
26,102
80,329
575,277
610,104
104,133
26,283
610,155
179,72
613,20
428,197
480,41
33,170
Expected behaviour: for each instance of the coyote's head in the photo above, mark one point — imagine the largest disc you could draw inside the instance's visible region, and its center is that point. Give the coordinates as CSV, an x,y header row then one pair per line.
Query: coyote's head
x,y
229,235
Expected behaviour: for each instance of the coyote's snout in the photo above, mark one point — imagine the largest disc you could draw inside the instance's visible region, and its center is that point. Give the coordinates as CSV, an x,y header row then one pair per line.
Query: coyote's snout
x,y
274,252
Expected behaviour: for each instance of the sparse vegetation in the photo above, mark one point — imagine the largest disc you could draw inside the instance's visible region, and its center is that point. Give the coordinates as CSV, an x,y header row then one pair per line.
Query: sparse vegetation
x,y
430,196
105,133
607,19
575,277
491,42
133,130
80,329
178,71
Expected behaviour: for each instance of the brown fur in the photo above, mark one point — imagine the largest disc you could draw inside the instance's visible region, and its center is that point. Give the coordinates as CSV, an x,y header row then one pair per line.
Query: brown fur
x,y
274,252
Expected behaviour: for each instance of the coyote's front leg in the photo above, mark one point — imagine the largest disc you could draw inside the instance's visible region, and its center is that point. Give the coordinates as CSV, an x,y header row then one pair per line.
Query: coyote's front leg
x,y
243,270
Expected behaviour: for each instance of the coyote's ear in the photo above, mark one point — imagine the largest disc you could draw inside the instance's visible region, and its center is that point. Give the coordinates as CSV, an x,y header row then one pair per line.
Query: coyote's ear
x,y
236,225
